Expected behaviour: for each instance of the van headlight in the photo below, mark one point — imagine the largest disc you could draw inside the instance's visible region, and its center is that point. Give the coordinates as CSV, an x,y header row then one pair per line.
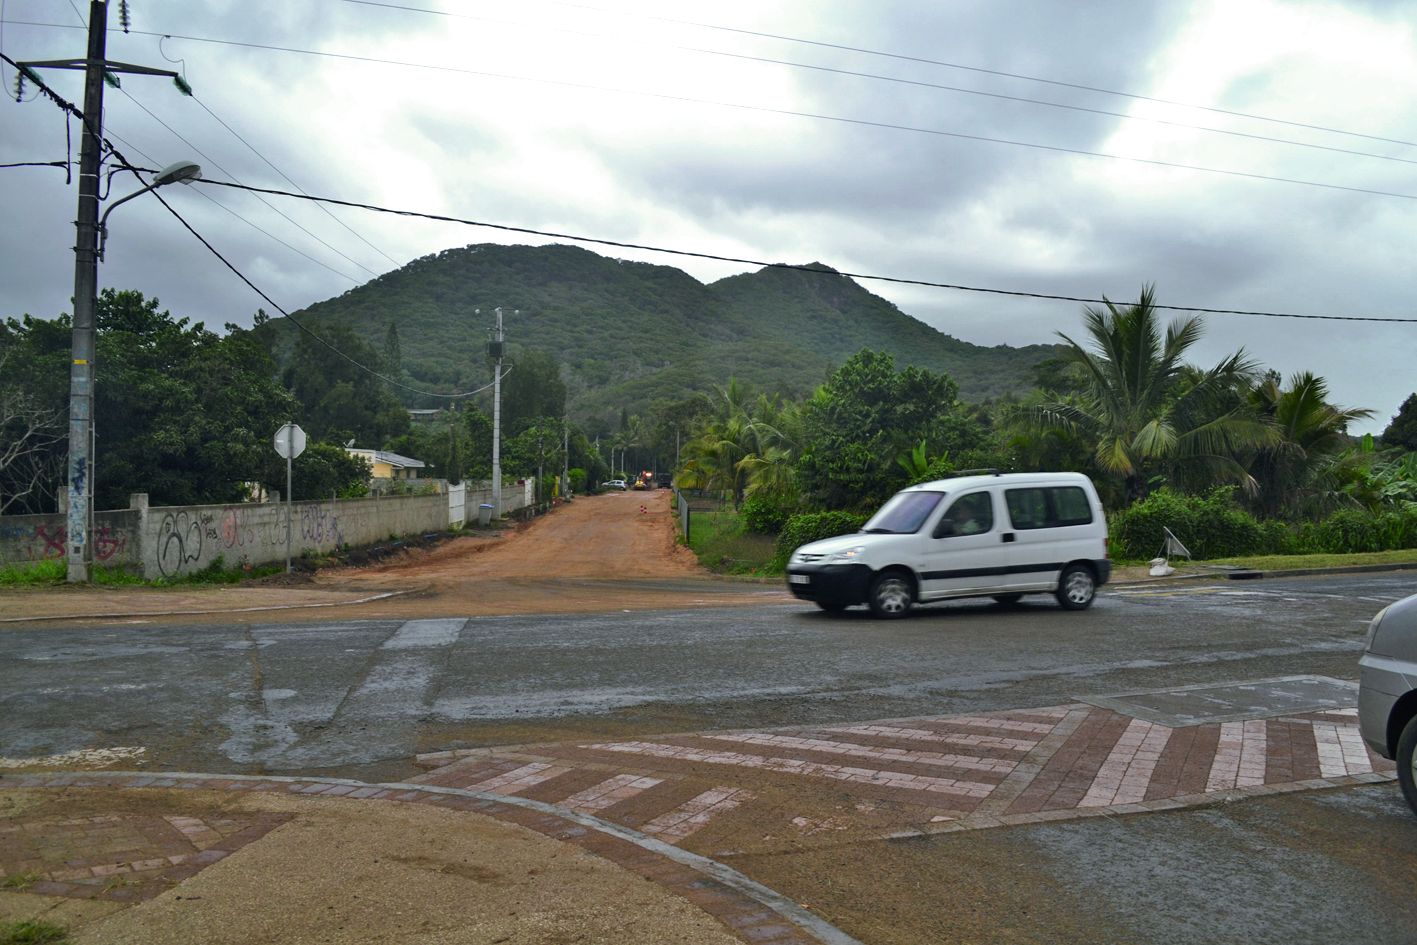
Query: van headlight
x,y
848,554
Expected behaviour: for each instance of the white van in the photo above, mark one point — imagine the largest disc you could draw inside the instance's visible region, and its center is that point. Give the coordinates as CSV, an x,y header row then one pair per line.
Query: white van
x,y
993,535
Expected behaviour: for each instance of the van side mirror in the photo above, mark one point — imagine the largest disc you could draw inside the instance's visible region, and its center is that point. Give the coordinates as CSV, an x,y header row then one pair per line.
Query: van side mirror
x,y
945,529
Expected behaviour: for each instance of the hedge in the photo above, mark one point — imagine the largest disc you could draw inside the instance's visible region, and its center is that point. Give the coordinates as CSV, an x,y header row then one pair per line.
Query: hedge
x,y
1213,526
814,526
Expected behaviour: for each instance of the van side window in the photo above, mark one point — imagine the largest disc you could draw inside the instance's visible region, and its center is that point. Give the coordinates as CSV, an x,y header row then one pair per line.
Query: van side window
x,y
1050,507
972,514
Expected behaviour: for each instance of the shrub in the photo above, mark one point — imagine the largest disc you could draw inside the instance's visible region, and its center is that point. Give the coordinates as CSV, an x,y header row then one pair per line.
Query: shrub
x,y
766,515
1211,526
814,526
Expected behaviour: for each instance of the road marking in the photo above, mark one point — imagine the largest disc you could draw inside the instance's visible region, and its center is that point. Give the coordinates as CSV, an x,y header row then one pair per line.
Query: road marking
x,y
1341,750
416,634
926,735
1126,774
80,758
611,791
518,779
884,755
873,776
694,814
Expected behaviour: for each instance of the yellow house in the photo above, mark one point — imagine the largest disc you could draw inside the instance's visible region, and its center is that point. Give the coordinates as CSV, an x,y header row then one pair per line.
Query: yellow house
x,y
386,465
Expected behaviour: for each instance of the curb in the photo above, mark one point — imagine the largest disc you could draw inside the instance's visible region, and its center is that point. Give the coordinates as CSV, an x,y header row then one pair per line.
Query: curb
x,y
751,911
193,613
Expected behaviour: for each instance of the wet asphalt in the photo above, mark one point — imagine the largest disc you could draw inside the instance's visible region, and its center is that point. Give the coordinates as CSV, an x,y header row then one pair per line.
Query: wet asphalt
x,y
360,698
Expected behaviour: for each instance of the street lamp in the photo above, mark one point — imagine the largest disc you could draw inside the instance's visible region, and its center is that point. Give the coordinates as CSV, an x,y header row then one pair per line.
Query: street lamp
x,y
81,376
183,172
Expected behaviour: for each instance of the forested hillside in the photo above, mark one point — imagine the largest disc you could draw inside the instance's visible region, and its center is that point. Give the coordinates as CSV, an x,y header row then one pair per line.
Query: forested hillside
x,y
630,333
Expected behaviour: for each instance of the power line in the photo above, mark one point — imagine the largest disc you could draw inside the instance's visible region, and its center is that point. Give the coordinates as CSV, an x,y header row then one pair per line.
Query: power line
x,y
37,164
764,109
776,265
69,107
301,326
983,71
228,173
877,77
292,183
259,229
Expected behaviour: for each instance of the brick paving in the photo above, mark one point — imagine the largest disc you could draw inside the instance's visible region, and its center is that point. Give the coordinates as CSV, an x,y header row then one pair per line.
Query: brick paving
x,y
931,774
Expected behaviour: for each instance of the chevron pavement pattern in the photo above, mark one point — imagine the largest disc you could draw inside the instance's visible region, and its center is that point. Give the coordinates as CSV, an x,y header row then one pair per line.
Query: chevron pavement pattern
x,y
737,791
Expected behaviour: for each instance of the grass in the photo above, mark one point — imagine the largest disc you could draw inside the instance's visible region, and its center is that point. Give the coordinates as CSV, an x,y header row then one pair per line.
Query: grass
x,y
31,932
20,881
722,544
1286,562
54,572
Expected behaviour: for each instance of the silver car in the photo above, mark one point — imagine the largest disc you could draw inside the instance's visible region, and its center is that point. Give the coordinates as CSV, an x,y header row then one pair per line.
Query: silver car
x,y
1387,690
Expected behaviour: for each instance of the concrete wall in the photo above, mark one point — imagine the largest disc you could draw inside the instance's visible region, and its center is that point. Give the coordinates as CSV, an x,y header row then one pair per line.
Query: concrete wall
x,y
173,541
28,538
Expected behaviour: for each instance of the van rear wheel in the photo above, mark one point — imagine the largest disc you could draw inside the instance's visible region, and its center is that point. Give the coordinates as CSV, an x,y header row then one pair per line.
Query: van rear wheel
x,y
891,595
1076,587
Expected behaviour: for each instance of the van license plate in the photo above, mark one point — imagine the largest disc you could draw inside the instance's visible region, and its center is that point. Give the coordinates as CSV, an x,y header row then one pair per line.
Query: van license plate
x,y
800,578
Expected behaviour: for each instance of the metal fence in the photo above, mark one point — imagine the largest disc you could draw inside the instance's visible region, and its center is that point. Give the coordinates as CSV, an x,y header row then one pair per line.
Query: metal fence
x,y
696,500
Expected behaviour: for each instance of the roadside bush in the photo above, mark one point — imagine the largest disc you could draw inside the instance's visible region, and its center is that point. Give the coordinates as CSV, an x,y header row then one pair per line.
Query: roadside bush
x,y
814,526
766,515
1210,526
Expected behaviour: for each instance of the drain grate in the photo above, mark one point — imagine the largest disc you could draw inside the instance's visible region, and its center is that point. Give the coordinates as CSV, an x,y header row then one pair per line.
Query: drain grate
x,y
1230,702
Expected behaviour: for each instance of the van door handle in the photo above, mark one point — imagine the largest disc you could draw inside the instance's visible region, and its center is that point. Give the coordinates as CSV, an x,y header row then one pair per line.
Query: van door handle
x,y
1007,536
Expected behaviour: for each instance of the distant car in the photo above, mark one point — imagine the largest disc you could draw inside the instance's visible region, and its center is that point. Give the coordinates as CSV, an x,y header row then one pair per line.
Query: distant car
x,y
1387,691
615,484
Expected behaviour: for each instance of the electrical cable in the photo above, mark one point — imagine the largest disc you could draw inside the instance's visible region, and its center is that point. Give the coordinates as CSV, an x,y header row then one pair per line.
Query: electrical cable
x,y
264,232
74,110
768,60
301,326
861,122
228,173
441,218
37,164
292,183
983,71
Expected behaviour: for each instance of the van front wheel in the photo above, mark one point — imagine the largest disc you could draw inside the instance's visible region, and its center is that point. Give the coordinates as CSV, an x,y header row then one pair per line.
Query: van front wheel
x,y
1076,588
891,594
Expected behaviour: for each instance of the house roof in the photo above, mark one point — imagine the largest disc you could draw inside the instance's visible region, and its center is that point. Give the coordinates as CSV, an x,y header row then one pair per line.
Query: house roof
x,y
393,459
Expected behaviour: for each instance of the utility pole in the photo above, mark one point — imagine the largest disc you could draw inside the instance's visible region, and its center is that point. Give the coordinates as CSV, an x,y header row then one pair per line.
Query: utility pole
x,y
565,456
495,350
80,472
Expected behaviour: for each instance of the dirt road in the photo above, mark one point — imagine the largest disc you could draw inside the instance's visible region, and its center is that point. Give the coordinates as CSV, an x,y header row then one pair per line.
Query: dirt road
x,y
597,553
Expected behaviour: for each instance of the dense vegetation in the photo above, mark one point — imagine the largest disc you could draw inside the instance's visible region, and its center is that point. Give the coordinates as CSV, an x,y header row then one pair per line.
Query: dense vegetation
x,y
633,333
1232,459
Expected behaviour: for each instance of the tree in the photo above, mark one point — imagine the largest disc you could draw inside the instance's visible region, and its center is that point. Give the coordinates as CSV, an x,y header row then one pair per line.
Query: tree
x,y
322,471
31,465
339,399
1143,410
533,389
865,416
1402,431
1310,430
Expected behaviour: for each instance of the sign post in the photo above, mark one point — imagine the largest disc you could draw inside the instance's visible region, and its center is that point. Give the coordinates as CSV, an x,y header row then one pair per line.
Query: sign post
x,y
290,443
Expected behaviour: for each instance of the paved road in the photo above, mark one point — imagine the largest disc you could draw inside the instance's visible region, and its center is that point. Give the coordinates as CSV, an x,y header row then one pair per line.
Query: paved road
x,y
361,698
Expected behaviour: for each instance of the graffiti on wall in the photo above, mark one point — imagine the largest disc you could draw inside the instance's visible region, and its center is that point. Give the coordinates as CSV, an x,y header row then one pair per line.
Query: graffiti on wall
x,y
180,540
46,542
320,524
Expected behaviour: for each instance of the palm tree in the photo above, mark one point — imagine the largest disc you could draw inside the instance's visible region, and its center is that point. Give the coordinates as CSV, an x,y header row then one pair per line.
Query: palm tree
x,y
1144,410
1311,432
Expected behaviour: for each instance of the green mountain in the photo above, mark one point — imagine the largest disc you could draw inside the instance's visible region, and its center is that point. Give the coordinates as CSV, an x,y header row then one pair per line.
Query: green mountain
x,y
632,332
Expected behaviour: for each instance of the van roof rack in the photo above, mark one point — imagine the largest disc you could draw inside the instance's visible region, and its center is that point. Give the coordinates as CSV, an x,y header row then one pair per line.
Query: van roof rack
x,y
971,472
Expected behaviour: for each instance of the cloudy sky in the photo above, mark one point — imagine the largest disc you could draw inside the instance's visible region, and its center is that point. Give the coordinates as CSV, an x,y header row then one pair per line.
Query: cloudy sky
x,y
1240,154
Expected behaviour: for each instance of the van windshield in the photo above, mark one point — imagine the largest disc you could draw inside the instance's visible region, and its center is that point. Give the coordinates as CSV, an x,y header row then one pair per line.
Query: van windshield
x,y
904,513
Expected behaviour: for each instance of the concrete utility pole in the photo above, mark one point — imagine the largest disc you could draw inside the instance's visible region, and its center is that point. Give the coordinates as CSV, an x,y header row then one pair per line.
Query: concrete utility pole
x,y
495,350
81,370
565,456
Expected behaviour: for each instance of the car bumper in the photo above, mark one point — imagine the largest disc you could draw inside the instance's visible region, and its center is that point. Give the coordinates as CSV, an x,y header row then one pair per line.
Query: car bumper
x,y
843,584
1381,682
